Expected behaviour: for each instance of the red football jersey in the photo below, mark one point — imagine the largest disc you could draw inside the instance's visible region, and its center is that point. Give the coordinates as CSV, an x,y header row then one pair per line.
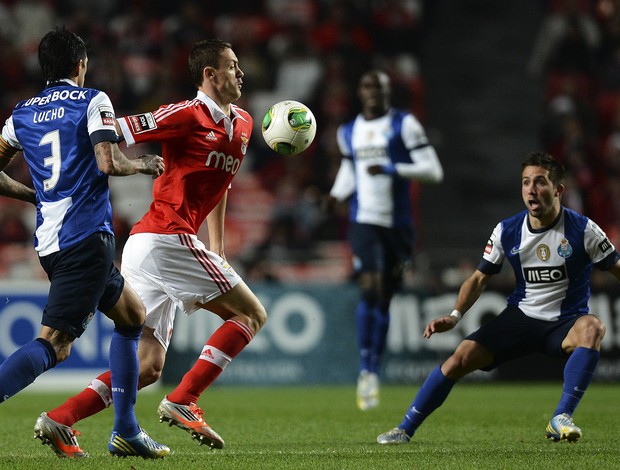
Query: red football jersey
x,y
202,150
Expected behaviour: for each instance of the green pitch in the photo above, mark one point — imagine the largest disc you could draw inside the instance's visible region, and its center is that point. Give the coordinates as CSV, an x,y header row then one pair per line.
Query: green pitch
x,y
488,426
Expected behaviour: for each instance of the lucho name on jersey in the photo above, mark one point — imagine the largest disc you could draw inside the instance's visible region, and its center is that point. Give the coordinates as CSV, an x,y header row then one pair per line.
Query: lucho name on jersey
x,y
142,122
546,274
223,162
55,96
49,115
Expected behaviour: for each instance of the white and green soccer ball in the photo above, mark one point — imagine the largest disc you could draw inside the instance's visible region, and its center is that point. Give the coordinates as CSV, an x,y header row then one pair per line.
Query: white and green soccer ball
x,y
289,127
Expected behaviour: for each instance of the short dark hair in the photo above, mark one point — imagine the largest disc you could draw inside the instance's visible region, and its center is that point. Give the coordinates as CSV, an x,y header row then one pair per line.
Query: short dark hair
x,y
205,53
60,51
544,160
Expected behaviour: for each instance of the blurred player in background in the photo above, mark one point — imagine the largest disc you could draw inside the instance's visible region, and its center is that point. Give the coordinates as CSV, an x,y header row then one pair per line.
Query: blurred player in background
x,y
204,141
384,149
552,251
68,137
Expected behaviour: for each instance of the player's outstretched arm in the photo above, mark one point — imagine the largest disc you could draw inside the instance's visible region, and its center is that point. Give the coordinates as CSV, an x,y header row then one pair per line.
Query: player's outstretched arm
x,y
470,291
113,162
16,190
425,167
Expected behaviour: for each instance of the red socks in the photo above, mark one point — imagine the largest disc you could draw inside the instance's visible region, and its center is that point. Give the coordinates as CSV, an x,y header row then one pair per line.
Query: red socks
x,y
96,397
225,343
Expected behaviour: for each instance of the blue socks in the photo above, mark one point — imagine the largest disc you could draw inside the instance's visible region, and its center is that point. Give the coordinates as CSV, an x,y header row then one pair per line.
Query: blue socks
x,y
124,370
578,373
431,395
372,328
22,367
379,338
364,319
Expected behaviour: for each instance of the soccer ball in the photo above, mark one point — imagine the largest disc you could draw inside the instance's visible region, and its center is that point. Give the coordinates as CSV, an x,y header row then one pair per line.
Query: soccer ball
x,y
289,127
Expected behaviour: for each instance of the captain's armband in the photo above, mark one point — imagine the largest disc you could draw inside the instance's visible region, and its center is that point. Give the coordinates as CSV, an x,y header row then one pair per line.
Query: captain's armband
x,y
7,151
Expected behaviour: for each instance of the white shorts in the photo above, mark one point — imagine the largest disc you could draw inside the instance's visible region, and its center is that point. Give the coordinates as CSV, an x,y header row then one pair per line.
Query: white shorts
x,y
173,271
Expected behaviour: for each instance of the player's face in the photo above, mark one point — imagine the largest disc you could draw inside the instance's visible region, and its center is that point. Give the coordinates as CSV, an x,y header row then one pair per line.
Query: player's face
x,y
374,93
540,195
228,77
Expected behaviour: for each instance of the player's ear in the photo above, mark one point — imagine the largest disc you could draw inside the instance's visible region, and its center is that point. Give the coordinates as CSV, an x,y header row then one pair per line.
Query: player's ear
x,y
78,67
209,73
559,189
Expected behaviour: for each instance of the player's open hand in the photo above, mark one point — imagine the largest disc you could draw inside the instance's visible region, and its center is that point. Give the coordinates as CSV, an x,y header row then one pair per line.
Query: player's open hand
x,y
388,169
152,165
375,170
439,325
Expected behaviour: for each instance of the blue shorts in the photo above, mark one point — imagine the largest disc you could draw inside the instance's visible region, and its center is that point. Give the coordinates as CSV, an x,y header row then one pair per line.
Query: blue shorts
x,y
83,278
381,249
512,335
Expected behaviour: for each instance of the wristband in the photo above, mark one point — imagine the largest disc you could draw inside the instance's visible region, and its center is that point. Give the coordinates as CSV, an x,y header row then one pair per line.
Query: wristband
x,y
456,314
389,169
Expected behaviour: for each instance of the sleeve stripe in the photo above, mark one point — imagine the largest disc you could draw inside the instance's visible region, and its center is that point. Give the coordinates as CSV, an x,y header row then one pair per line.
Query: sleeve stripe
x,y
7,151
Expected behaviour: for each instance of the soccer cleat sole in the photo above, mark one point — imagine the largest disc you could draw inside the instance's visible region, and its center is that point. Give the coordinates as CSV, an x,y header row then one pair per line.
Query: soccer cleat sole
x,y
121,447
365,404
211,441
571,437
394,436
58,452
39,433
562,428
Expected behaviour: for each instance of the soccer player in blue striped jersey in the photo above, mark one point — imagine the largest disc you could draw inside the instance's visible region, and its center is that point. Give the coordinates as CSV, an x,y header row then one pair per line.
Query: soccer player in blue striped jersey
x,y
68,138
552,251
383,150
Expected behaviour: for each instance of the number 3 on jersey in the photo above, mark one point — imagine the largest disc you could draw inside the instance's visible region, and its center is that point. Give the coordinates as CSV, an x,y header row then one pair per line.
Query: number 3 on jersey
x,y
53,139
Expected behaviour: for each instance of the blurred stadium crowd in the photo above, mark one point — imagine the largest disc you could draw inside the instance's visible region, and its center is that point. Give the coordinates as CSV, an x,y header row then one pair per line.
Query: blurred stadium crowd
x,y
577,59
312,51
309,50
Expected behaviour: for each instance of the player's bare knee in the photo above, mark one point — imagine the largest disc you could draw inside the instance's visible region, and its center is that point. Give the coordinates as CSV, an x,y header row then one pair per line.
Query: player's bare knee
x,y
258,318
60,341
454,368
149,375
62,349
590,331
136,314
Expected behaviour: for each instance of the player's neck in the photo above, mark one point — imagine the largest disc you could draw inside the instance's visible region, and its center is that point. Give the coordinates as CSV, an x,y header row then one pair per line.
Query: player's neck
x,y
546,220
374,113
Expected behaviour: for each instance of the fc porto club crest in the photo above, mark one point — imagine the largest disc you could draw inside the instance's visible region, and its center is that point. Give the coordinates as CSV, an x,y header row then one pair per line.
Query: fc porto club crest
x,y
564,249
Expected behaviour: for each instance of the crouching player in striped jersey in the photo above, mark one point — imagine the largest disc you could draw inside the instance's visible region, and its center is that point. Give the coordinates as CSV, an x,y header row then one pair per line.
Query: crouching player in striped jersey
x,y
552,251
203,143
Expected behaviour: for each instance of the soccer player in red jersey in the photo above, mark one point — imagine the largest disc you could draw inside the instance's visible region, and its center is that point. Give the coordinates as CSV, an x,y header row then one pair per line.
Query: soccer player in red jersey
x,y
203,143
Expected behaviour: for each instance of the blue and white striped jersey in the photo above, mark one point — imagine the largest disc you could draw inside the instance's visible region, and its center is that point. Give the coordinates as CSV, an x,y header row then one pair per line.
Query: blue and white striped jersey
x,y
395,139
57,130
552,266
